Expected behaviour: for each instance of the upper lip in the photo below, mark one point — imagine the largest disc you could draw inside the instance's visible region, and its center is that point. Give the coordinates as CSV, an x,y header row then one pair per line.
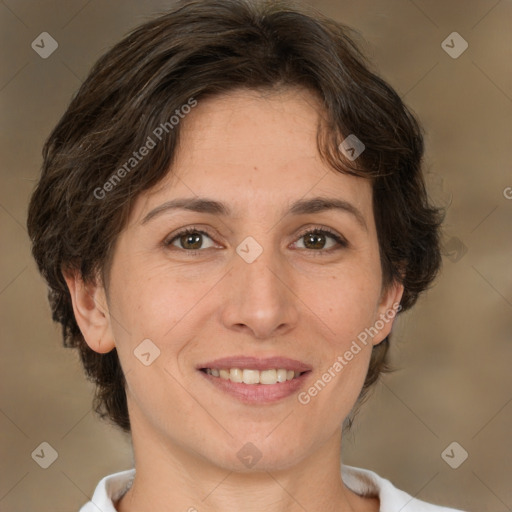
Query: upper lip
x,y
256,363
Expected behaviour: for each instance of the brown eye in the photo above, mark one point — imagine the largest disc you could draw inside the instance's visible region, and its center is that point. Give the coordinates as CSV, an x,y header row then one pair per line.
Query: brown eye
x,y
314,241
189,240
317,240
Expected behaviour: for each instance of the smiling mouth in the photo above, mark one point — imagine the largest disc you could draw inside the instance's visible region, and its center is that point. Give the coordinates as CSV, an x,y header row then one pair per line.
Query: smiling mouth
x,y
252,376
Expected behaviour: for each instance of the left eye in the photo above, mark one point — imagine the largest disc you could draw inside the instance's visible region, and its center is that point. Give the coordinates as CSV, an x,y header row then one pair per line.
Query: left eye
x,y
316,240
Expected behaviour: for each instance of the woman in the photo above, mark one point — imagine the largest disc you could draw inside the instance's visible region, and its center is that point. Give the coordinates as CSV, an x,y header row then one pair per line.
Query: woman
x,y
230,215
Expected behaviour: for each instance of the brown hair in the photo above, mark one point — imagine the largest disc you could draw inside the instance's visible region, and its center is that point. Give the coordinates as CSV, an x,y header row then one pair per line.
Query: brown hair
x,y
202,48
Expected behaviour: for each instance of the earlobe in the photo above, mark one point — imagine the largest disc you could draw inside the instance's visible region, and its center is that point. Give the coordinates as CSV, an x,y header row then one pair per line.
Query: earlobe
x,y
91,311
387,310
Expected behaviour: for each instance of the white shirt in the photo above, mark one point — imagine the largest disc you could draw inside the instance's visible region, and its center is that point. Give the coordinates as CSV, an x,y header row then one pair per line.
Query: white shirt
x,y
361,481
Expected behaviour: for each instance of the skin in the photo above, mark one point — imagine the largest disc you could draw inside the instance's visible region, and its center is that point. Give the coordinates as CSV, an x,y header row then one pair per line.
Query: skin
x,y
257,154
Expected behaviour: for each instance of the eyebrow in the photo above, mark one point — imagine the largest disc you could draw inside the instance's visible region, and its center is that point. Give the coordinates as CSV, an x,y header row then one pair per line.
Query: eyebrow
x,y
300,207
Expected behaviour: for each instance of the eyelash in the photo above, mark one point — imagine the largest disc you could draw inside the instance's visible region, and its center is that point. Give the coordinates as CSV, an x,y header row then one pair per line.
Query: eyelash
x,y
342,243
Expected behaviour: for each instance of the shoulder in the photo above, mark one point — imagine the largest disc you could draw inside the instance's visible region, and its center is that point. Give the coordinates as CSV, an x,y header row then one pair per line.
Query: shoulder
x,y
365,482
109,490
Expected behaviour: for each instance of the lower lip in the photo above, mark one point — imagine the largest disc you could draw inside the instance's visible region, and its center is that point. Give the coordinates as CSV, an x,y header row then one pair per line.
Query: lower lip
x,y
258,393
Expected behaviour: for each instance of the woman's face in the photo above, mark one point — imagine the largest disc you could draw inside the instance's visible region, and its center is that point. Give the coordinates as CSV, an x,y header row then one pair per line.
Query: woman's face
x,y
264,273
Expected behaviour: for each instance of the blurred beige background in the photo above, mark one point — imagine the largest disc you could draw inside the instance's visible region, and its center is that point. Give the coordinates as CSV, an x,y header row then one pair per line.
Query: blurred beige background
x,y
454,349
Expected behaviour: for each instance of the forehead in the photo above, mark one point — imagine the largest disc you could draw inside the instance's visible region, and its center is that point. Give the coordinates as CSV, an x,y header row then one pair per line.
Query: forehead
x,y
254,149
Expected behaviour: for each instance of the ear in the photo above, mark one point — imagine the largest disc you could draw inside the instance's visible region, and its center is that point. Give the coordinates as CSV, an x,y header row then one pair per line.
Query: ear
x,y
389,306
91,311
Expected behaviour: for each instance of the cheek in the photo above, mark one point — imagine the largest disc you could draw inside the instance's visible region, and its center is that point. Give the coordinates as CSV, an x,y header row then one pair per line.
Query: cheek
x,y
347,305
348,301
149,302
141,293
150,312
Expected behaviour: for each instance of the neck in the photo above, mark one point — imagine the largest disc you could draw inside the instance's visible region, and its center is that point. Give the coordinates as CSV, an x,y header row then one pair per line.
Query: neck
x,y
175,479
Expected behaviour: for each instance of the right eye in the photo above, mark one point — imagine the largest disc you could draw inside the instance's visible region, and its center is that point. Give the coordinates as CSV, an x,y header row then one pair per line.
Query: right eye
x,y
190,239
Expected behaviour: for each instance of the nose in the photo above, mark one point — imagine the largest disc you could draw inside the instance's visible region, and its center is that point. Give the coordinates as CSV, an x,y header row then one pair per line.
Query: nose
x,y
259,297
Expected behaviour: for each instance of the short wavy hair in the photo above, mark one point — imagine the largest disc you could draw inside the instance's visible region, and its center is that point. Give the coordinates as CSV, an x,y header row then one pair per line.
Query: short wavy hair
x,y
199,49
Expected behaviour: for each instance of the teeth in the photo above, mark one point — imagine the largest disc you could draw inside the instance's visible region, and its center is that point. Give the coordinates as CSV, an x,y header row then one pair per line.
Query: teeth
x,y
268,377
235,375
282,375
249,376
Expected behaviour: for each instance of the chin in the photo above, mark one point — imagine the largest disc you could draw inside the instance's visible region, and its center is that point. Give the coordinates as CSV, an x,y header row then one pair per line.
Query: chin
x,y
259,455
